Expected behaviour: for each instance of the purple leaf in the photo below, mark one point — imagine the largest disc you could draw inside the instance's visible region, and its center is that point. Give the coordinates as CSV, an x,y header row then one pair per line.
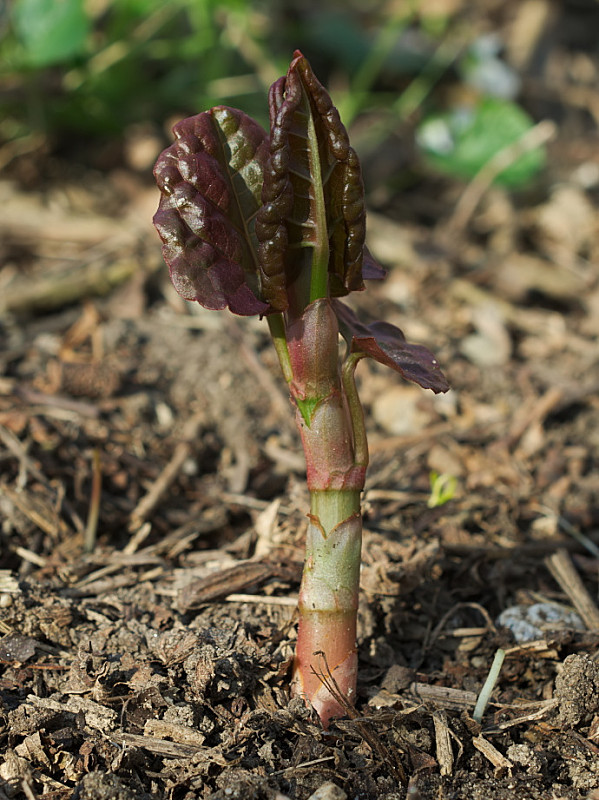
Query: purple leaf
x,y
313,197
371,269
386,344
210,180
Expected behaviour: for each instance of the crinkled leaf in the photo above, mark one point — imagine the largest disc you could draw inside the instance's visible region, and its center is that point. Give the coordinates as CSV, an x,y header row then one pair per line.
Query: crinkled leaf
x,y
210,180
386,344
313,197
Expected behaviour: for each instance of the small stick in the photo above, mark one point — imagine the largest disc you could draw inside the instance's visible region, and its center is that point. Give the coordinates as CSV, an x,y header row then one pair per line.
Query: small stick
x,y
76,407
30,556
540,410
563,571
262,599
26,465
140,535
280,403
163,482
91,529
492,754
543,708
580,537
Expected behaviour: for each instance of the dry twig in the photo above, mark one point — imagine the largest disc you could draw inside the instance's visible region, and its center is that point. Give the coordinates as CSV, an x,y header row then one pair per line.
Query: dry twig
x,y
168,475
561,567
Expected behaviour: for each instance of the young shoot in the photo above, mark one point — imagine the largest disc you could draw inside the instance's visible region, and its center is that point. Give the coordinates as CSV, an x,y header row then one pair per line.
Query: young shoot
x,y
273,224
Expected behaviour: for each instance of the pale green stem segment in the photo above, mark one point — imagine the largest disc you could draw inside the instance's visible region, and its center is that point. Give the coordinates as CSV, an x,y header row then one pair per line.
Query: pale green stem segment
x,y
332,569
328,602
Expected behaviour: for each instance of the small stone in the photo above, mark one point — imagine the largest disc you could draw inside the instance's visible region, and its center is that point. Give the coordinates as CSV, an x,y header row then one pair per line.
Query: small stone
x,y
491,345
528,623
328,791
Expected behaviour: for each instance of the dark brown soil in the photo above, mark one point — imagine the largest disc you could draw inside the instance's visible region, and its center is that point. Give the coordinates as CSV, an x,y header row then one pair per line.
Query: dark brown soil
x,y
156,665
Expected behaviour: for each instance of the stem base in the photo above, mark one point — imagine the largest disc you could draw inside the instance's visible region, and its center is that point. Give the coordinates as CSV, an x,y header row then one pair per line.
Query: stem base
x,y
328,604
326,649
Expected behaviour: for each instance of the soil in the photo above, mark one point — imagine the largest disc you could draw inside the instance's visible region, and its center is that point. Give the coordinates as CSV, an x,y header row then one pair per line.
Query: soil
x,y
153,506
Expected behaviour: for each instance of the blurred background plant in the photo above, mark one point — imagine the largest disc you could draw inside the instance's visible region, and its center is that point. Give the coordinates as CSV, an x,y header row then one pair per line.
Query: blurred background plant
x,y
424,84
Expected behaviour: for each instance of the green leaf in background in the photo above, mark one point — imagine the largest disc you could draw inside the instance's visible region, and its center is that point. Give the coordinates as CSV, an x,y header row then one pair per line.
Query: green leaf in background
x,y
460,142
51,31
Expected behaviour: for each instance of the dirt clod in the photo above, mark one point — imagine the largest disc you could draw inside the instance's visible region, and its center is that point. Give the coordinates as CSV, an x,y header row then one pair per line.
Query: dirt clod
x,y
577,689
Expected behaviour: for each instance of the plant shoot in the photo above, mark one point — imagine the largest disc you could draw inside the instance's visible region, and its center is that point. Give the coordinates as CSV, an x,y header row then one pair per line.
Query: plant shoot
x,y
273,224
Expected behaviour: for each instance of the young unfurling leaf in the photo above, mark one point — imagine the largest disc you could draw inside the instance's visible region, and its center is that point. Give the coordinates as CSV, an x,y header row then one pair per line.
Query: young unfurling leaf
x,y
386,344
211,181
312,224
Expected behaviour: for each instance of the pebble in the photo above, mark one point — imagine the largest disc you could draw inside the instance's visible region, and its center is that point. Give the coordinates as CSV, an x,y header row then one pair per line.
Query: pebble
x,y
328,791
528,623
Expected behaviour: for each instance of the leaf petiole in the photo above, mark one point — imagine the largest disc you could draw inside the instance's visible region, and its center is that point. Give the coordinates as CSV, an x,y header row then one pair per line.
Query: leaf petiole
x,y
356,412
276,326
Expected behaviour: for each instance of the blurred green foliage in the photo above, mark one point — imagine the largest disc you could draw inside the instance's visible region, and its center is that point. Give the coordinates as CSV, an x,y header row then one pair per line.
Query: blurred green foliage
x,y
92,68
461,141
80,70
67,21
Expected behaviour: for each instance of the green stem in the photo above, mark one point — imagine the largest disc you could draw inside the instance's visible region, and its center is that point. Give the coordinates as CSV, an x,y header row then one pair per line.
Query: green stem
x,y
276,325
356,412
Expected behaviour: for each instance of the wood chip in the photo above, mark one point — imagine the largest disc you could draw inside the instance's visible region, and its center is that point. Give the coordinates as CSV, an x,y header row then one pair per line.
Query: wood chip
x,y
443,743
96,715
181,734
444,696
32,749
492,754
233,581
159,747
